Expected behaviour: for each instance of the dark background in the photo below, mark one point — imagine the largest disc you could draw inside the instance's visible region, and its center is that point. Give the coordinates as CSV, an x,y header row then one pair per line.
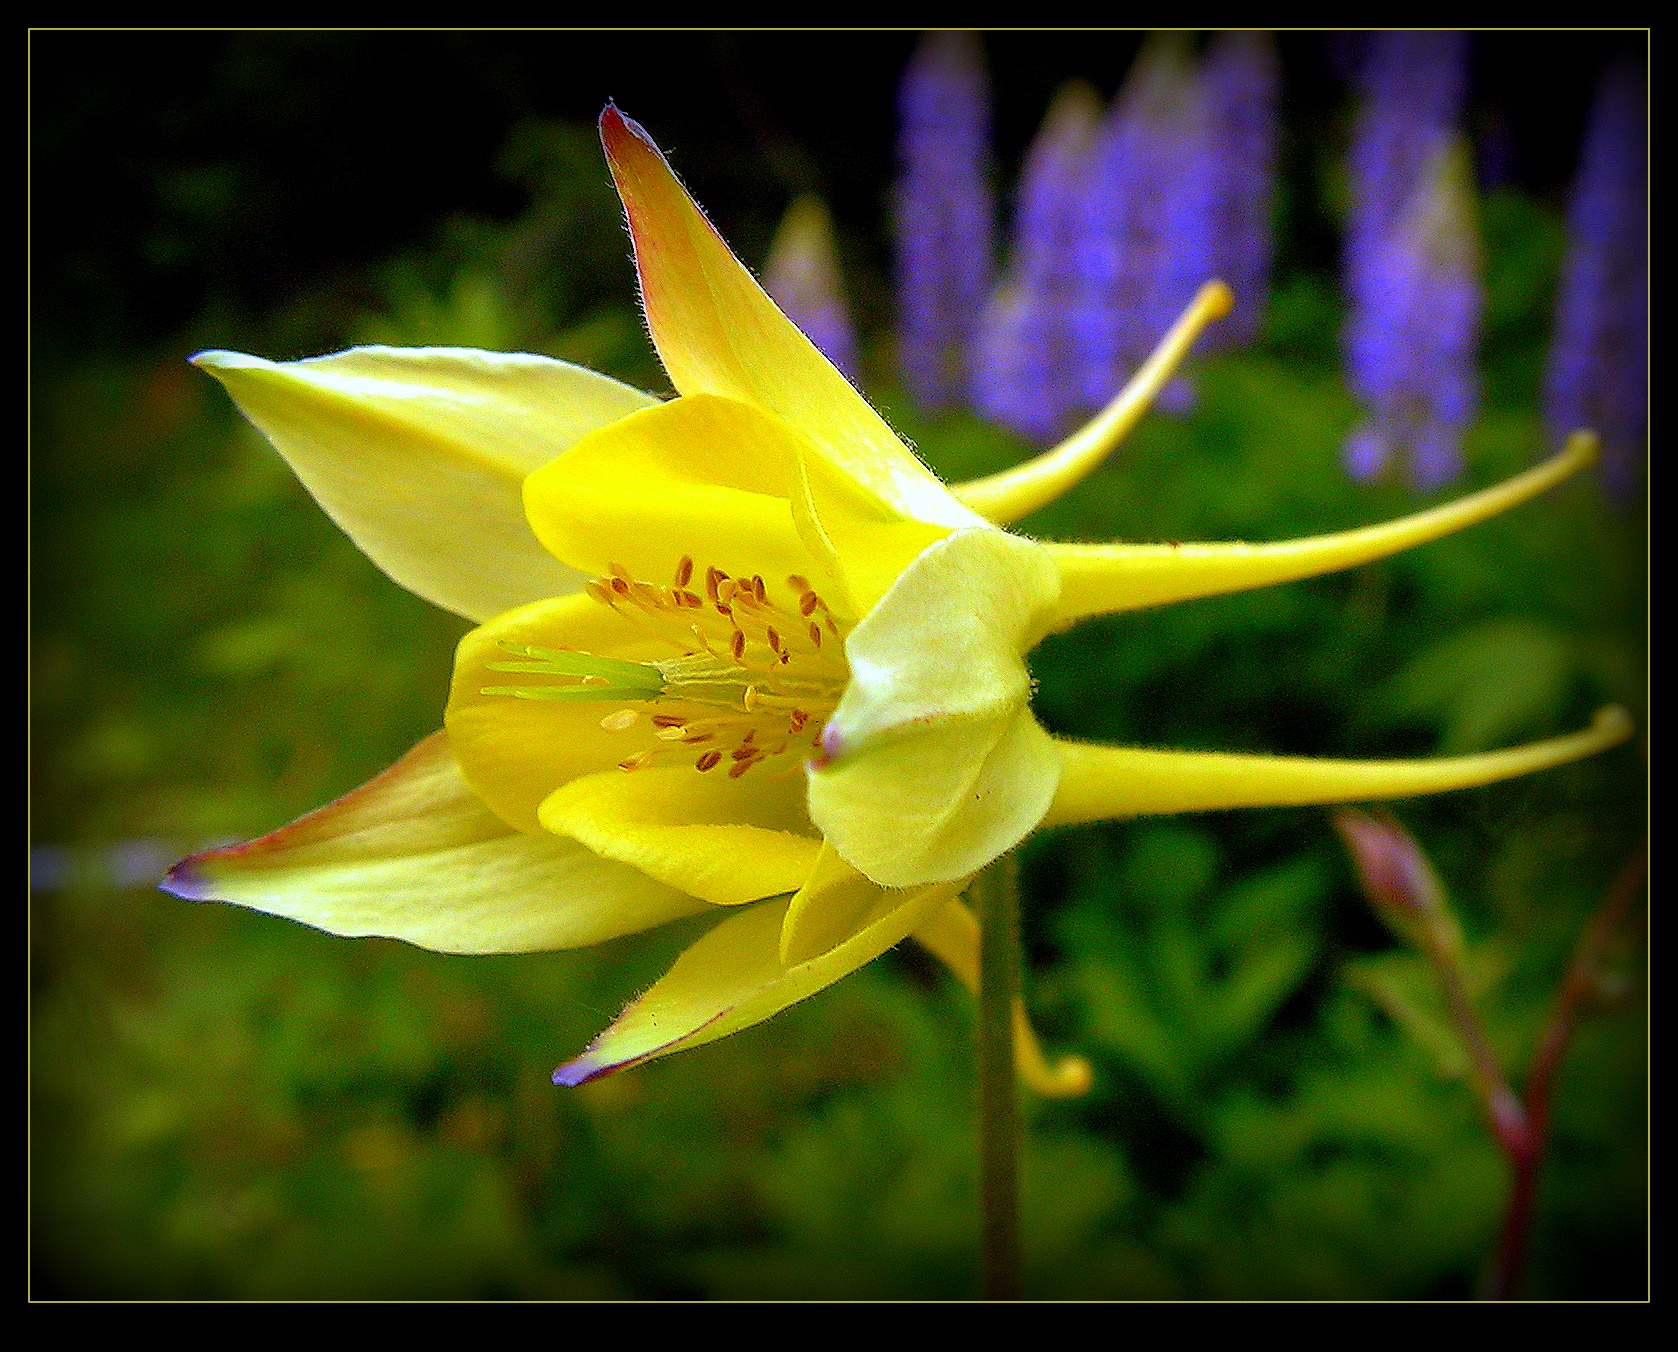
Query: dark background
x,y
171,167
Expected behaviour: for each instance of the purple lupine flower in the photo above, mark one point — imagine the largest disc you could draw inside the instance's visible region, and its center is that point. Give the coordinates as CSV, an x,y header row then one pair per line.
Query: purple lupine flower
x,y
1411,345
1241,80
1145,239
1119,223
1597,375
944,213
1411,261
1411,86
1024,357
802,275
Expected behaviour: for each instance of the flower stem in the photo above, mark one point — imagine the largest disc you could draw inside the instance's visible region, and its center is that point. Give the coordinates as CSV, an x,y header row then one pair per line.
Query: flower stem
x,y
1503,1277
996,898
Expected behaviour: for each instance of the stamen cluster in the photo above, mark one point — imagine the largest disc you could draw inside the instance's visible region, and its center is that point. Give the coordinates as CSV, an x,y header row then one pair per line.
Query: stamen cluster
x,y
759,678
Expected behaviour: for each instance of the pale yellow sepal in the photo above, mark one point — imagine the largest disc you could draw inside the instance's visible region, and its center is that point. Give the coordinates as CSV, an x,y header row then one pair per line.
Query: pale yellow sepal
x,y
827,909
734,977
419,454
1097,579
933,762
704,477
726,840
1098,782
415,855
952,935
717,332
1019,491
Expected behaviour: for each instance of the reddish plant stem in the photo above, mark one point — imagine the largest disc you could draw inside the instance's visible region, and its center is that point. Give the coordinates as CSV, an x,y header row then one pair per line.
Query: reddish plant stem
x,y
1526,1149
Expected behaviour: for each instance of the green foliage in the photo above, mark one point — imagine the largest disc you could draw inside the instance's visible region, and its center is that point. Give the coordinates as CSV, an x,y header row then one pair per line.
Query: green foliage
x,y
1183,976
228,1105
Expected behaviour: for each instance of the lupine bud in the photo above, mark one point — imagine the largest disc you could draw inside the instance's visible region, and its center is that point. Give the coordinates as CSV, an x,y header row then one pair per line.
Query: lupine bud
x,y
1145,239
1411,345
944,214
1240,80
1398,880
802,276
1024,367
1411,90
1412,264
1597,375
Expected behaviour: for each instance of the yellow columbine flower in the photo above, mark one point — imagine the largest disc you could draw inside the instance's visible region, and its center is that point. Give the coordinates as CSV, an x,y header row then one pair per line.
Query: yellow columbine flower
x,y
739,650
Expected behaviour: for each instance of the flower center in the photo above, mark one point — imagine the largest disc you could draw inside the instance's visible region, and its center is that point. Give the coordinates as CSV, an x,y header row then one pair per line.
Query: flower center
x,y
753,684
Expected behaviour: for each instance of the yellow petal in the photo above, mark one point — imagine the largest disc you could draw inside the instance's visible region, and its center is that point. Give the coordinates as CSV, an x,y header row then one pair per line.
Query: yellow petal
x,y
729,487
415,855
726,840
1022,490
717,332
1109,781
419,455
734,977
714,480
1097,579
952,934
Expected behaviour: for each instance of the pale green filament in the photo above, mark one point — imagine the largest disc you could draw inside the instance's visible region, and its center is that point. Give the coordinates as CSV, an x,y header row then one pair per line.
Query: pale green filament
x,y
604,678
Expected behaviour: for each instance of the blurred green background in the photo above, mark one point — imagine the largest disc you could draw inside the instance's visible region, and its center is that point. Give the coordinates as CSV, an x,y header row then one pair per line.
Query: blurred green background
x,y
228,1105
